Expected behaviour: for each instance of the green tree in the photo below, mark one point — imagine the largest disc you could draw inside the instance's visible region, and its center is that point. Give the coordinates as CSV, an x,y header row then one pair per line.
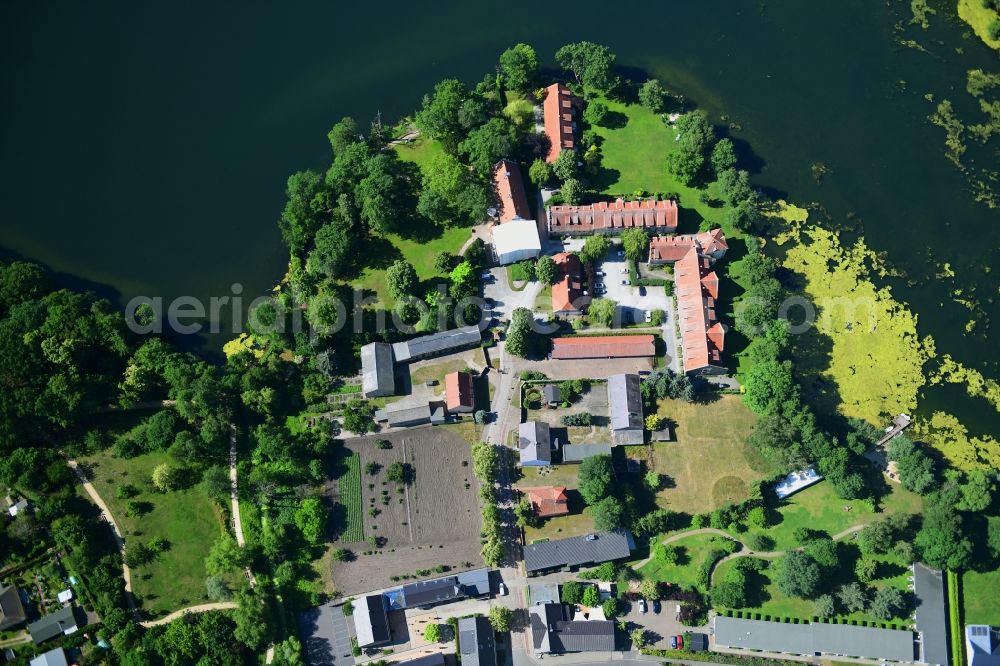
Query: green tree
x,y
635,242
335,243
612,608
866,569
571,592
357,416
638,638
304,212
768,386
596,475
520,339
500,618
591,64
667,554
853,597
591,597
167,477
941,541
310,518
546,269
825,606
342,134
757,517
652,95
572,191
401,278
486,144
887,604
977,491
729,593
524,512
608,514
652,480
439,117
519,66
798,575
444,262
384,195
876,538
250,615
649,589
596,113
432,633
224,557
566,166
825,552
723,156
601,311
541,173
595,248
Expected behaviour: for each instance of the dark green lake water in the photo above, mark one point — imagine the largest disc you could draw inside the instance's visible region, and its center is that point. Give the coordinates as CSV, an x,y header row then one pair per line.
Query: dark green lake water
x,y
145,146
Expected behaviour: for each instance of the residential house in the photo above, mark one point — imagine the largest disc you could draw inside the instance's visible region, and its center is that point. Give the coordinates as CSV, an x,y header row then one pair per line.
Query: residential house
x,y
604,346
625,404
554,631
815,639
604,217
577,453
982,645
476,642
459,393
62,621
56,657
587,550
931,618
534,444
371,622
377,370
15,507
560,109
551,395
548,501
512,202
697,290
515,241
567,293
11,608
409,415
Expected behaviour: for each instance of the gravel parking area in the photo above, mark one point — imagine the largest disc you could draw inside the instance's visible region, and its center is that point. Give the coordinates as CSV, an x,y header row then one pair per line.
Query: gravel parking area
x,y
433,520
587,368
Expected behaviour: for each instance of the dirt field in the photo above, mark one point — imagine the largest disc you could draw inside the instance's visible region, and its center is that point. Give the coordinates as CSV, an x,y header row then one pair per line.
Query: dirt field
x,y
590,368
433,520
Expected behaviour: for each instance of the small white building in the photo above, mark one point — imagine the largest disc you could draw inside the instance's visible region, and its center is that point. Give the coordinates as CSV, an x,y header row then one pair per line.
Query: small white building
x,y
515,241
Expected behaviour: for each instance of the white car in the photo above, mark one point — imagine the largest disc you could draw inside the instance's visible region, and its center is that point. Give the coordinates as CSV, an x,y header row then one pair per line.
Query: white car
x,y
624,270
642,605
626,282
649,315
599,273
502,590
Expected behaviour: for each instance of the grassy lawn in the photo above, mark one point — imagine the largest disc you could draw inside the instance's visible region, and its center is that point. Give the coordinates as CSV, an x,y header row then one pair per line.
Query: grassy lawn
x,y
819,508
561,527
543,302
187,519
767,599
710,462
420,152
437,371
981,592
696,548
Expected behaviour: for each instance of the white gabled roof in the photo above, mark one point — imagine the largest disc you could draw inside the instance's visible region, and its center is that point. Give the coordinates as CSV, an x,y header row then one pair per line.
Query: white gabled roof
x,y
516,235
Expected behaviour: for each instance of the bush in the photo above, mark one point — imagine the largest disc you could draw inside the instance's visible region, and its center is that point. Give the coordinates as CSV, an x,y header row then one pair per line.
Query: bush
x,y
581,419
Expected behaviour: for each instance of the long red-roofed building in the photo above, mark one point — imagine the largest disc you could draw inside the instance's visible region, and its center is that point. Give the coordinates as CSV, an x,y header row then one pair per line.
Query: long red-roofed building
x,y
512,202
567,292
560,108
459,393
548,501
606,346
613,217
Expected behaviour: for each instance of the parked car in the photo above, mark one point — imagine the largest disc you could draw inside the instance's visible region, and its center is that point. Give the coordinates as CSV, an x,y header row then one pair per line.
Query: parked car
x,y
502,590
624,269
642,291
680,641
649,315
673,642
626,282
656,606
599,273
599,285
642,606
590,537
621,253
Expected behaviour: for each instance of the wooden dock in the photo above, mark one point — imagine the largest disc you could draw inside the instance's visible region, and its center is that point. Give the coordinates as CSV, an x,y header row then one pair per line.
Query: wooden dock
x,y
899,424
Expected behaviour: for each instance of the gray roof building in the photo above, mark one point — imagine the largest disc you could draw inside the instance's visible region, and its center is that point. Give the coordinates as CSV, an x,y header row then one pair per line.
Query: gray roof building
x,y
625,403
377,370
437,344
551,394
697,642
931,619
436,659
982,645
371,623
577,551
11,608
63,621
534,443
552,632
56,657
575,453
814,639
432,592
406,416
544,593
475,583
476,642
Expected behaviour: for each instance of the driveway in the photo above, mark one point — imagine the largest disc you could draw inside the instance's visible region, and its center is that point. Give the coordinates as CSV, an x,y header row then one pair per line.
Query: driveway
x,y
505,298
659,626
634,302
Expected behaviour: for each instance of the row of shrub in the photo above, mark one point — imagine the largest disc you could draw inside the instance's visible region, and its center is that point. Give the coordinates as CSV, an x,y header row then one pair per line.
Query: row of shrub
x,y
718,657
747,615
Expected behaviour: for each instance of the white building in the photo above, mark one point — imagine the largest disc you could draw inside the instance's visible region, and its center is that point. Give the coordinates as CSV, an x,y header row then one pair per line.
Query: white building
x,y
515,241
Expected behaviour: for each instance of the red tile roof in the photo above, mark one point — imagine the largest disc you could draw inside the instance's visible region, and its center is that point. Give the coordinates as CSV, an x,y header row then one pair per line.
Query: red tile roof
x,y
702,336
612,216
458,391
513,203
608,346
668,249
568,290
559,108
548,500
